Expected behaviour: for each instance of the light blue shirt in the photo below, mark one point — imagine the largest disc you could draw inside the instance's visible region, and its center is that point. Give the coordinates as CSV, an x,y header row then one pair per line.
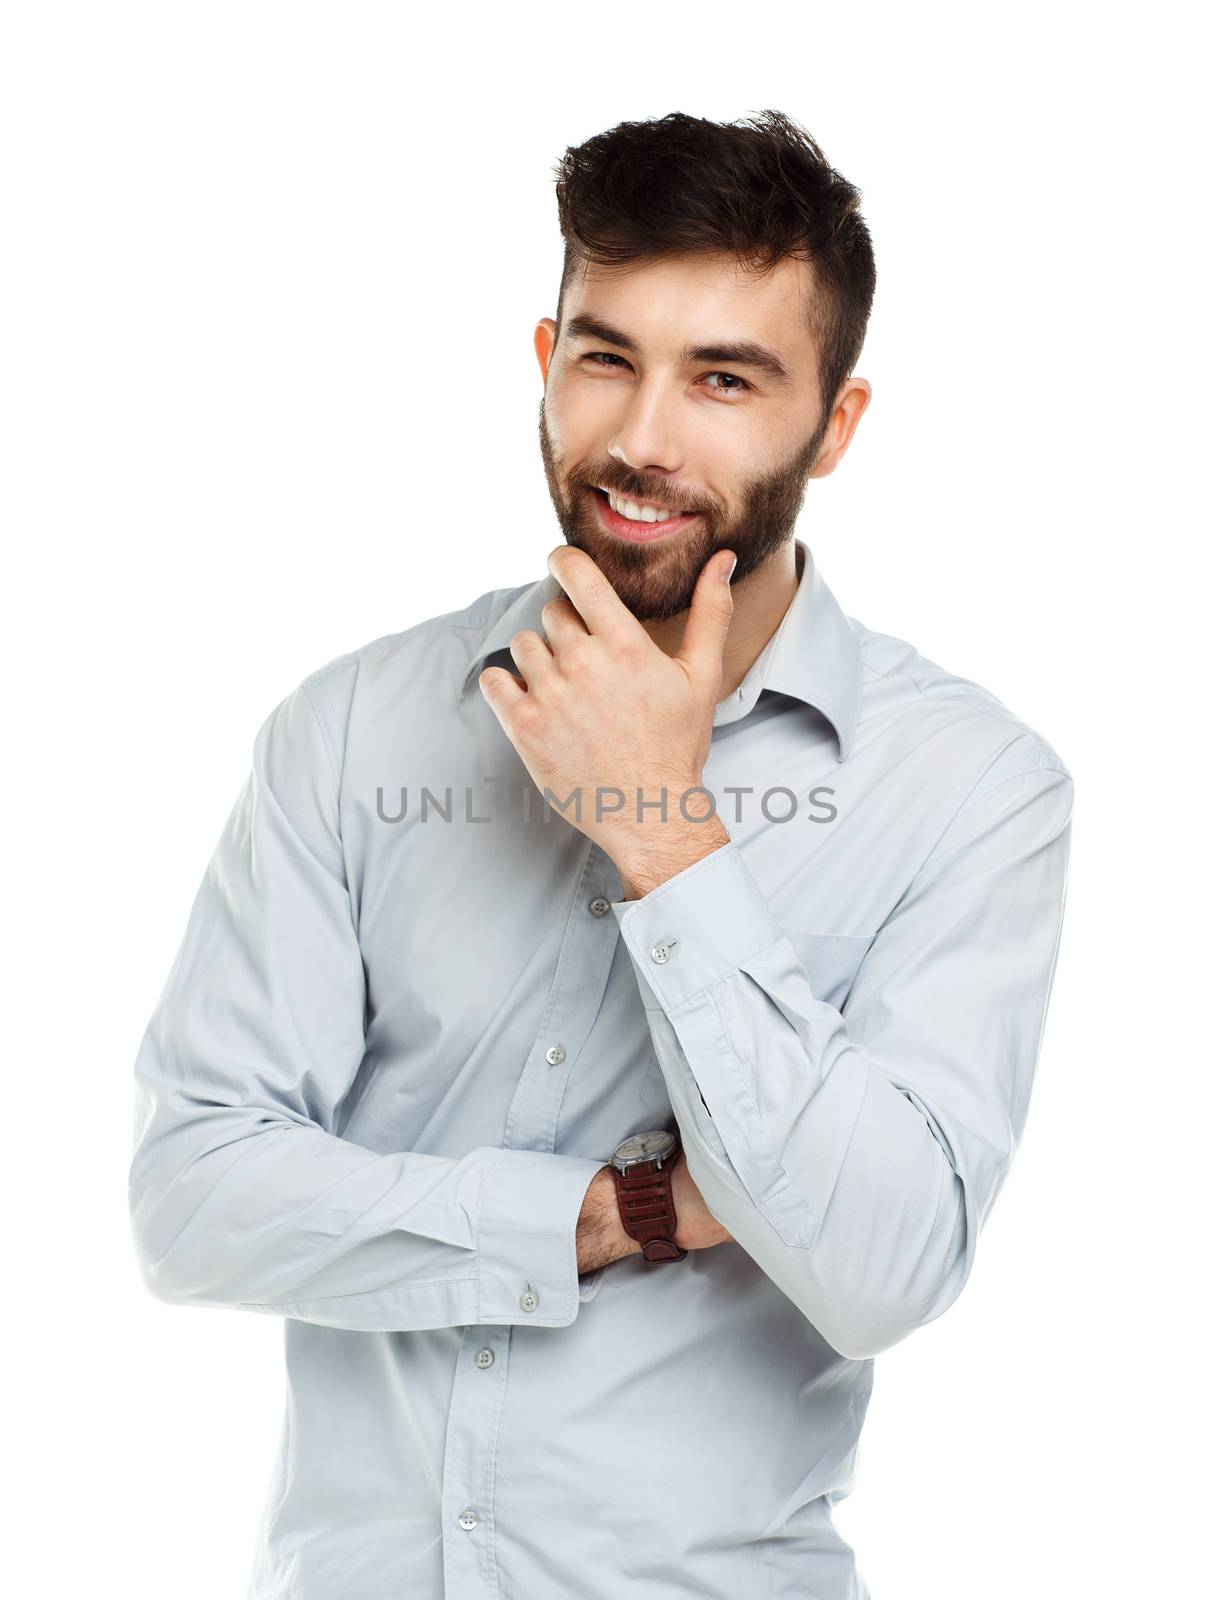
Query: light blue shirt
x,y
394,1049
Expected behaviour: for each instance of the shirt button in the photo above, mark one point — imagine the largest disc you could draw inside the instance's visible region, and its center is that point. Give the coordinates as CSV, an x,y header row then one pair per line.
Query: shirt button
x,y
599,907
529,1299
661,952
484,1357
555,1055
467,1519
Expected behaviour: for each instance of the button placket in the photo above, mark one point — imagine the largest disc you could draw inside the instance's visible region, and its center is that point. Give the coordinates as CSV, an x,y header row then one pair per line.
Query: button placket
x,y
475,1419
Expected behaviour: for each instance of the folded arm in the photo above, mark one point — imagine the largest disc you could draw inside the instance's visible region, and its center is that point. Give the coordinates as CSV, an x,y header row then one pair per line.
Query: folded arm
x,y
855,1154
240,1193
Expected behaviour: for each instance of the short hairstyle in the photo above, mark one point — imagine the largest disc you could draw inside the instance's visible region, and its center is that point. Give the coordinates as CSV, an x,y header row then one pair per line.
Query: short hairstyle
x,y
759,188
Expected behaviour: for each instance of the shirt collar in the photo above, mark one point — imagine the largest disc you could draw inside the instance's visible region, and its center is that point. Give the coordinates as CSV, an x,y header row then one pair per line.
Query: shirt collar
x,y
813,654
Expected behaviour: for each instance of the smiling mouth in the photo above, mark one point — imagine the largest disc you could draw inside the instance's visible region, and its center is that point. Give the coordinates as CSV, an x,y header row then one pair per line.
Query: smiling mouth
x,y
638,531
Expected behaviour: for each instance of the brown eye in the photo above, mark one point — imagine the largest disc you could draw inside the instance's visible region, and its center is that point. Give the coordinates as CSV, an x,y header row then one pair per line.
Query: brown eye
x,y
734,378
602,357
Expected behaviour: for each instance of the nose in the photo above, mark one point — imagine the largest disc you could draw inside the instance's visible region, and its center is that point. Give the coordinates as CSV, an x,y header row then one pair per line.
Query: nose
x,y
645,438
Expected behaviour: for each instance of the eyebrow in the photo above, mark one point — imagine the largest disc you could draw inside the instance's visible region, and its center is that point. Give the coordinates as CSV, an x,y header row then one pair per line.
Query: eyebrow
x,y
738,353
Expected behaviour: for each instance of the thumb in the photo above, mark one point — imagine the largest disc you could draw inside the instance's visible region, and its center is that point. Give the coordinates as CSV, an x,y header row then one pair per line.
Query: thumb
x,y
710,613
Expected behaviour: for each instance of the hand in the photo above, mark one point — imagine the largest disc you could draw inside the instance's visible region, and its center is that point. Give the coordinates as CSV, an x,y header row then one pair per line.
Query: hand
x,y
697,1228
601,708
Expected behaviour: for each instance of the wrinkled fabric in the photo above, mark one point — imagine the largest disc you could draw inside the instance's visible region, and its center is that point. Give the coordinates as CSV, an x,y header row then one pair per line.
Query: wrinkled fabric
x,y
411,1017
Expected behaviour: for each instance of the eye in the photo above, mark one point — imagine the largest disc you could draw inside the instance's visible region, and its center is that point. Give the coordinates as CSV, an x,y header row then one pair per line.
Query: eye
x,y
606,356
734,378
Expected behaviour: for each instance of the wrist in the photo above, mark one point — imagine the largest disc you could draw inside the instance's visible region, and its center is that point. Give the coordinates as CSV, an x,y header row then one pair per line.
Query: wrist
x,y
641,871
601,1236
644,1167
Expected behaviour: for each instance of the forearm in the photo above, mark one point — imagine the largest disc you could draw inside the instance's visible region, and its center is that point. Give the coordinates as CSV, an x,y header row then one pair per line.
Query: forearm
x,y
241,1207
888,1252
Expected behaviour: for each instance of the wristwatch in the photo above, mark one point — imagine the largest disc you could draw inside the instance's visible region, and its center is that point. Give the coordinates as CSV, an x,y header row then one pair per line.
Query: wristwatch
x,y
641,1168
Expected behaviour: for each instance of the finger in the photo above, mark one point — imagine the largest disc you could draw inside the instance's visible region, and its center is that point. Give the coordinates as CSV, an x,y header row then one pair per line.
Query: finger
x,y
502,690
563,624
599,607
709,616
532,655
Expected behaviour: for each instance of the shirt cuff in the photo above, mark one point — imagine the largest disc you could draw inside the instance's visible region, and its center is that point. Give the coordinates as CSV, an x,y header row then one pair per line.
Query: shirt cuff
x,y
695,928
527,1238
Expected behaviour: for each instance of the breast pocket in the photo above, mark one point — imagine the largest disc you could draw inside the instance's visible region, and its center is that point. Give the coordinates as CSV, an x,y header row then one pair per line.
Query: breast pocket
x,y
831,961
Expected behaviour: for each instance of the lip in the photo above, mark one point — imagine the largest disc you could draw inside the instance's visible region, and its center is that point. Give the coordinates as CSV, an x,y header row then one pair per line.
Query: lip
x,y
637,532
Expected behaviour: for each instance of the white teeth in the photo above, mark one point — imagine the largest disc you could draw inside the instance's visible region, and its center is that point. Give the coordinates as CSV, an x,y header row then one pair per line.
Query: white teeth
x,y
638,513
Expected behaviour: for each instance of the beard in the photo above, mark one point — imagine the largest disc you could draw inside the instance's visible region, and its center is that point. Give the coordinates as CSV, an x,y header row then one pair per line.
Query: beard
x,y
656,581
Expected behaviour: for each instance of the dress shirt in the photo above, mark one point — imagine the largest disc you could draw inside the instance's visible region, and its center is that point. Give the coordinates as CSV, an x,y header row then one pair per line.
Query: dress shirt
x,y
404,1031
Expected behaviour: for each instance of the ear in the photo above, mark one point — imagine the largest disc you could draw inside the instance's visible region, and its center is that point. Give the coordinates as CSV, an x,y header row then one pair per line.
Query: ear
x,y
846,414
545,340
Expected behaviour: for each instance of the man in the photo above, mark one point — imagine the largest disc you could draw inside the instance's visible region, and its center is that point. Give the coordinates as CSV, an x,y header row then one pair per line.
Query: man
x,y
628,868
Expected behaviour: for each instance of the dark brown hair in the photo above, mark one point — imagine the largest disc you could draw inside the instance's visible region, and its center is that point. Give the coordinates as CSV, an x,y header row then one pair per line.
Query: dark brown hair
x,y
759,188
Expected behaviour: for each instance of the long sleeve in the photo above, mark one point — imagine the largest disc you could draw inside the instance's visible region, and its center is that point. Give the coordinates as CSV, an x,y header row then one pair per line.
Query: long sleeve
x,y
855,1154
240,1193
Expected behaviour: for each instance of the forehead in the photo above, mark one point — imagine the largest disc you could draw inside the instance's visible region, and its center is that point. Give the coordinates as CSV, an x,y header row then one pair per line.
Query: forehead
x,y
698,299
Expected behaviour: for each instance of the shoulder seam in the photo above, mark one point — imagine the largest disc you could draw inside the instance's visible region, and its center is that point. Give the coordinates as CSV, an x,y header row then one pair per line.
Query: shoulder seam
x,y
1028,772
999,711
326,744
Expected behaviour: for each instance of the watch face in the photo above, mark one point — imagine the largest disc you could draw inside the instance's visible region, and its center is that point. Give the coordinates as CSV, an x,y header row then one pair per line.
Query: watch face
x,y
645,1147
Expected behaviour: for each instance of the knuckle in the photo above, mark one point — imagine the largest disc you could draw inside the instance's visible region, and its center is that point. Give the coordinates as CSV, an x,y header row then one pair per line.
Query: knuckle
x,y
574,658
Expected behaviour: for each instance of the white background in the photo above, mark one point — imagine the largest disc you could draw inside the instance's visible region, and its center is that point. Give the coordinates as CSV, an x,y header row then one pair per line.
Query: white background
x,y
269,391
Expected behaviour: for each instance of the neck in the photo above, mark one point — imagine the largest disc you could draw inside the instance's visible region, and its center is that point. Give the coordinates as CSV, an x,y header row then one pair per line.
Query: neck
x,y
759,604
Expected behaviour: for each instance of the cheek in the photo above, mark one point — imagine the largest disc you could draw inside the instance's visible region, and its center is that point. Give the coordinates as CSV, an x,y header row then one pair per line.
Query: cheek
x,y
577,425
587,413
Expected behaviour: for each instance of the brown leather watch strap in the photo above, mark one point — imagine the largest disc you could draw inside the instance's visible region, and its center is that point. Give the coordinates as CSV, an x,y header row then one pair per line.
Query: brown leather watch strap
x,y
646,1207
